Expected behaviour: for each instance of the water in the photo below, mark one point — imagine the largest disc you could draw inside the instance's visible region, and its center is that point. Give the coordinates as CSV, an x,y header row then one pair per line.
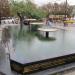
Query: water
x,y
30,48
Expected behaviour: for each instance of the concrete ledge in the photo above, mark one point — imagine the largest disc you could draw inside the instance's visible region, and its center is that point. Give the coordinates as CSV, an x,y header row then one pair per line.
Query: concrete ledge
x,y
2,73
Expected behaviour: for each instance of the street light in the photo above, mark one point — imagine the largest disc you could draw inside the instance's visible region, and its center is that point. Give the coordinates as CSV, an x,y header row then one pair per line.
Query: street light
x,y
66,9
0,17
0,11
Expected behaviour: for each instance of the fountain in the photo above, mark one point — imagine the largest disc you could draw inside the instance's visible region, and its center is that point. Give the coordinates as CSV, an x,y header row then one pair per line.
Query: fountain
x,y
32,54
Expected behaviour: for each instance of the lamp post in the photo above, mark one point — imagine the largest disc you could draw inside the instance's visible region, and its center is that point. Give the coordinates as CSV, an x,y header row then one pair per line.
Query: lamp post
x,y
66,10
0,17
65,13
0,11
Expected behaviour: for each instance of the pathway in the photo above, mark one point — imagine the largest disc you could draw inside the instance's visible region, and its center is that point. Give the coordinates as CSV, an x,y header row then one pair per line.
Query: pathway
x,y
4,61
4,57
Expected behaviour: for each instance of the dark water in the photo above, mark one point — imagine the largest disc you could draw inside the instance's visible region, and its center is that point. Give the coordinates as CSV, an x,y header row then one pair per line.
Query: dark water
x,y
29,48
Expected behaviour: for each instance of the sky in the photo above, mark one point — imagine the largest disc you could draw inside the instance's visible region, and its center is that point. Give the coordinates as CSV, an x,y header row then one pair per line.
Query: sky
x,y
41,2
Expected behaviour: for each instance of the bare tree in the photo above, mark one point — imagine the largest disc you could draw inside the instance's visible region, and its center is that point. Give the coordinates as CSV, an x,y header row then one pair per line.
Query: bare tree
x,y
58,9
48,8
4,8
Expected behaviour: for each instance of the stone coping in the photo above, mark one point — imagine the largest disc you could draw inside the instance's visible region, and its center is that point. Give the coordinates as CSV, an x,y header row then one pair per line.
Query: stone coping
x,y
1,73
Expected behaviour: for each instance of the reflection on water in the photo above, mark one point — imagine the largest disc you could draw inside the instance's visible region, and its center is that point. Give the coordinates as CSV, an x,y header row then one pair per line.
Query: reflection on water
x,y
30,48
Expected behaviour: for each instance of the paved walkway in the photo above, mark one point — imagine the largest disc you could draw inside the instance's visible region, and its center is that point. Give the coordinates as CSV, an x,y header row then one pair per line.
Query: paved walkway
x,y
4,58
4,61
